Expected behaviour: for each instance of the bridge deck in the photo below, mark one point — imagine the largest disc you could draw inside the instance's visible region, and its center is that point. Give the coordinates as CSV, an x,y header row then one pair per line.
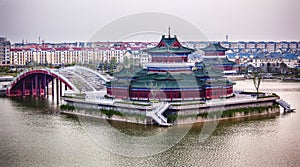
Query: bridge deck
x,y
79,79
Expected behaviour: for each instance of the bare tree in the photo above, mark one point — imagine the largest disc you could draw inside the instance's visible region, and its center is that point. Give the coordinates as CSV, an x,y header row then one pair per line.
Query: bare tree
x,y
256,81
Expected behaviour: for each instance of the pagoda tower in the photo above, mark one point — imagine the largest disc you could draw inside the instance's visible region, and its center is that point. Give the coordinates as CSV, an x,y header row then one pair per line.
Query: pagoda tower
x,y
214,50
214,55
169,50
169,56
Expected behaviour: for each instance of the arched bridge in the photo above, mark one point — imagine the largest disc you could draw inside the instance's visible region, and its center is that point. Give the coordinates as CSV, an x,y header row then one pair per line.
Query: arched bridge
x,y
38,82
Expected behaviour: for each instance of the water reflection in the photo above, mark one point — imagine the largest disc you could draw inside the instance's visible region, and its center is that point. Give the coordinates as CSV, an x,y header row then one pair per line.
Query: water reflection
x,y
34,105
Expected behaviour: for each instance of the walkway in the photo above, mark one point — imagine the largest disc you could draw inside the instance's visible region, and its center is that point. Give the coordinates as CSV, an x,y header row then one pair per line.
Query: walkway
x,y
284,105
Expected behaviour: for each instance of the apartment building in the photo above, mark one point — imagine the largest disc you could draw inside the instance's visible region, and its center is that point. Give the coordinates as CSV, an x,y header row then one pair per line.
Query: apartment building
x,y
4,51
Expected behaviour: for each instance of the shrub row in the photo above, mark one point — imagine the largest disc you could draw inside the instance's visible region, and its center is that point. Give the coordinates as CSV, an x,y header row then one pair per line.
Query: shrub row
x,y
232,112
67,107
192,103
110,113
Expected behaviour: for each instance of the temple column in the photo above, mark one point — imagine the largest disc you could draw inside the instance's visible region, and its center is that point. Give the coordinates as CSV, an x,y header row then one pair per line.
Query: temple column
x,y
138,94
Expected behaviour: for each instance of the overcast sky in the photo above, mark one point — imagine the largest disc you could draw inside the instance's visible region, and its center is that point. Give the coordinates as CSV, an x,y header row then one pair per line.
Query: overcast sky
x,y
73,20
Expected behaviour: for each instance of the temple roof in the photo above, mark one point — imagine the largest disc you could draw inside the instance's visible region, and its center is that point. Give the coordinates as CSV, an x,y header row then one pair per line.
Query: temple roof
x,y
172,81
131,72
207,72
169,45
166,80
218,61
206,63
215,47
219,82
182,81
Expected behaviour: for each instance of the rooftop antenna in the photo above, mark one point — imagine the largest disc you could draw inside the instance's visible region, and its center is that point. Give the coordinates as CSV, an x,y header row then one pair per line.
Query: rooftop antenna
x,y
169,32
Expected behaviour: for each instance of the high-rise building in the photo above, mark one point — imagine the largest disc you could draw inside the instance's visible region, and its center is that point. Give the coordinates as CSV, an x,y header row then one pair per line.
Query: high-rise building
x,y
4,52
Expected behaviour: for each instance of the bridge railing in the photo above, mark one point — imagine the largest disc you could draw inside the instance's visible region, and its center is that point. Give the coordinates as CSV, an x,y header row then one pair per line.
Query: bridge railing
x,y
95,72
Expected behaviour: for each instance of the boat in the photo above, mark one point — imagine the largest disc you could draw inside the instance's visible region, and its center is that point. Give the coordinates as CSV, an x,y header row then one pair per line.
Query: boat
x,y
4,83
6,78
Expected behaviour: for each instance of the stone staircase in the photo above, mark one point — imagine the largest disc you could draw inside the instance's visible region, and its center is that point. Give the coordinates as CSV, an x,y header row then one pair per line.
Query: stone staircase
x,y
156,114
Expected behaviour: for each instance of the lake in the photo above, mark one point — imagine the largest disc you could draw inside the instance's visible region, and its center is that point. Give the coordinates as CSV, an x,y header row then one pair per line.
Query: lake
x,y
32,132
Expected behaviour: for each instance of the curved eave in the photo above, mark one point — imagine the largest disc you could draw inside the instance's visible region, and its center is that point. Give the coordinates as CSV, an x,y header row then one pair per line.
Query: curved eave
x,y
214,48
169,50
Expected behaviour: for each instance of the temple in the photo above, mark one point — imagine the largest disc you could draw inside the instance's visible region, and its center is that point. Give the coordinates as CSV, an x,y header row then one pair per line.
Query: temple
x,y
170,77
214,54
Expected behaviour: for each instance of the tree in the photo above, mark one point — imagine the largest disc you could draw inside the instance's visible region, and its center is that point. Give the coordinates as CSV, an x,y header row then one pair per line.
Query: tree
x,y
105,65
113,63
126,61
256,81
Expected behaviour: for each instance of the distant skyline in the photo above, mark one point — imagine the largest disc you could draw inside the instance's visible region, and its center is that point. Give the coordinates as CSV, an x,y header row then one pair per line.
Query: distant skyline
x,y
72,21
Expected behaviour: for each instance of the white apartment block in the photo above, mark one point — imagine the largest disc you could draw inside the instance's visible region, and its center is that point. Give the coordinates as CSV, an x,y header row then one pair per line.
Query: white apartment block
x,y
59,56
271,47
293,45
261,45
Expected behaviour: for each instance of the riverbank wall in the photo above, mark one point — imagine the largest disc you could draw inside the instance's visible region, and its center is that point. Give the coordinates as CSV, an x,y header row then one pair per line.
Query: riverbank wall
x,y
176,113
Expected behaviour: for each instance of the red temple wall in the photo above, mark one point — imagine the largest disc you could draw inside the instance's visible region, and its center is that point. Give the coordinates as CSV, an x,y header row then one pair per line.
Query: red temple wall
x,y
225,68
169,59
139,94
